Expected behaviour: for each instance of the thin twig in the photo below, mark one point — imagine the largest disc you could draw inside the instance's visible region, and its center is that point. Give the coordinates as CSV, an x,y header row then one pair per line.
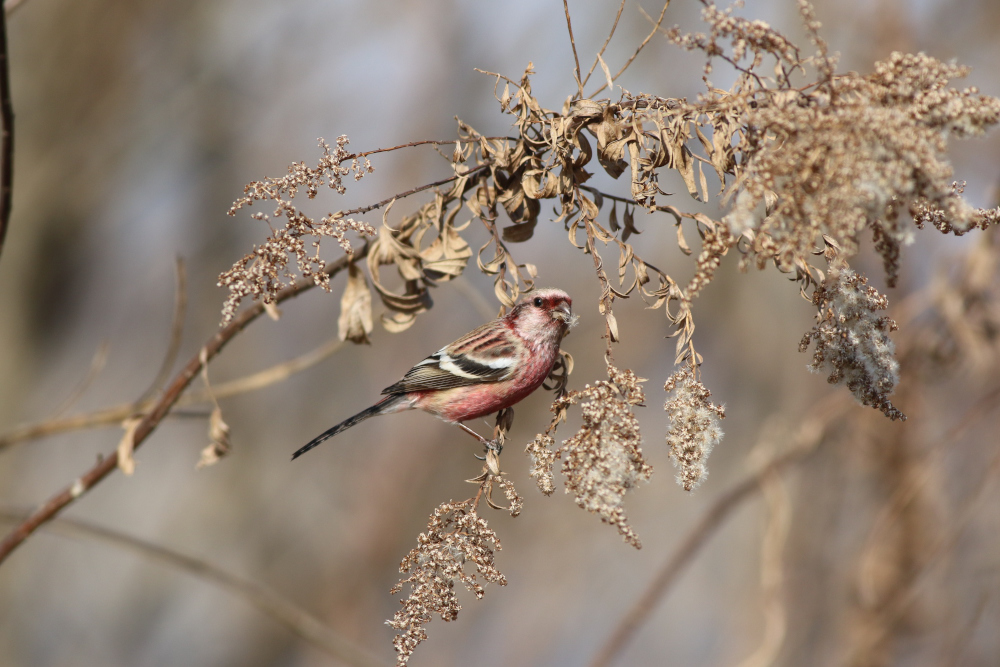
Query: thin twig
x,y
498,75
423,143
572,42
401,195
299,621
652,32
624,200
7,138
54,505
176,332
97,363
810,433
113,415
600,53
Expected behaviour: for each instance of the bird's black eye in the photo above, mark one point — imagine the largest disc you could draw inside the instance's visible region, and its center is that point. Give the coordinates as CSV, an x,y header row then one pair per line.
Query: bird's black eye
x,y
538,301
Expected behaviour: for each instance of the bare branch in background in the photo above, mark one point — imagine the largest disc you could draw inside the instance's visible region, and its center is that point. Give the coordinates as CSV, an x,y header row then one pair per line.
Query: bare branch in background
x,y
113,415
152,419
297,620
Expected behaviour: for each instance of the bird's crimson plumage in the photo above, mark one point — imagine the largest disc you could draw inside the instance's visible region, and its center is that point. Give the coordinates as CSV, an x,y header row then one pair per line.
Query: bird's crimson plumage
x,y
486,370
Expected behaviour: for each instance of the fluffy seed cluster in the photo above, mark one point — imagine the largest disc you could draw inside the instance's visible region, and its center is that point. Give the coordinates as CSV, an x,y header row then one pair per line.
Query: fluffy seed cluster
x,y
603,460
694,427
543,457
262,273
456,537
852,340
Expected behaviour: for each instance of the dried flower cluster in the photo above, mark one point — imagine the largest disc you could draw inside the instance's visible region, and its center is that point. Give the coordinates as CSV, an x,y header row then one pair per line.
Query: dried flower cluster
x,y
694,427
261,273
854,154
603,460
456,537
852,340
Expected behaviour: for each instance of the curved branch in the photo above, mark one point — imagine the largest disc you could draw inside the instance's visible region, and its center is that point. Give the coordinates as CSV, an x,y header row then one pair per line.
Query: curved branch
x,y
57,503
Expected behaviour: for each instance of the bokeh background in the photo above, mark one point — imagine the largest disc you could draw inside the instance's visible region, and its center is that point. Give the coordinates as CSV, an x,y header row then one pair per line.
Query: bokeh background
x,y
139,123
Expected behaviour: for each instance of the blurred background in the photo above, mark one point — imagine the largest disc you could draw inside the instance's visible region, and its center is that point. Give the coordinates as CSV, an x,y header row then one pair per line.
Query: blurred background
x,y
138,124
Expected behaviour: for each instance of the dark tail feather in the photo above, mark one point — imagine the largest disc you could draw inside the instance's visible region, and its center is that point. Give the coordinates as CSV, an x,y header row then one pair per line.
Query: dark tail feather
x,y
379,408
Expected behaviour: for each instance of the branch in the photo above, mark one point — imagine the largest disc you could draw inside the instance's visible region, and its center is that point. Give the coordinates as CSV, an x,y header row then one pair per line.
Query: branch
x,y
600,53
810,433
113,415
401,195
425,142
176,332
299,621
652,32
572,42
162,407
7,138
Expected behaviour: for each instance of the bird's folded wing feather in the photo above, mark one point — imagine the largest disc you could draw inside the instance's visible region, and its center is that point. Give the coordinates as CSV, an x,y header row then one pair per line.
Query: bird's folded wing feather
x,y
488,354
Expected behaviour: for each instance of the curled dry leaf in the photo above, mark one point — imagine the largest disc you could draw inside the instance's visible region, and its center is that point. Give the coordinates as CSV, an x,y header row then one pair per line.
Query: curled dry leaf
x,y
218,437
126,446
355,322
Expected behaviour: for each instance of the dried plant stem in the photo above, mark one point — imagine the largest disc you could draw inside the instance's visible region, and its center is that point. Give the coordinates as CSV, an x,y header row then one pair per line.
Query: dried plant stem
x,y
7,137
97,363
428,186
656,27
176,331
624,200
572,42
425,142
604,46
810,433
299,621
52,507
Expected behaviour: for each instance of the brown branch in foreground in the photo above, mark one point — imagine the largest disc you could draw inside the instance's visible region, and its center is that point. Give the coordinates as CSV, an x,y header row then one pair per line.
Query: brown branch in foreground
x,y
7,138
299,621
810,433
54,505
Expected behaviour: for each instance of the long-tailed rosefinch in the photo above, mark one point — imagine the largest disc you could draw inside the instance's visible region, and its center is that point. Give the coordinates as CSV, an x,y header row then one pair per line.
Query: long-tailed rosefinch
x,y
484,371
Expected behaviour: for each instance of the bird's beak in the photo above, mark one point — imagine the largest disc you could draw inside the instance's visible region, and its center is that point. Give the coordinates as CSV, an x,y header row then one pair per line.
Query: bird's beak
x,y
564,314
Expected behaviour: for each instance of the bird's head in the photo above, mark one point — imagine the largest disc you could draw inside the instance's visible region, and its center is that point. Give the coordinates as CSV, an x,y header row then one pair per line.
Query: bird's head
x,y
546,312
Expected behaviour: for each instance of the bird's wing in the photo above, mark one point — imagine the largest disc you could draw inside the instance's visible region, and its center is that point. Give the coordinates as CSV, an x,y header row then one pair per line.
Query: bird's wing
x,y
488,354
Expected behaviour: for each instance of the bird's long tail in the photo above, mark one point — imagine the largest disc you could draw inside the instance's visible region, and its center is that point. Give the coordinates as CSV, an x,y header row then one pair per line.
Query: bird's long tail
x,y
387,404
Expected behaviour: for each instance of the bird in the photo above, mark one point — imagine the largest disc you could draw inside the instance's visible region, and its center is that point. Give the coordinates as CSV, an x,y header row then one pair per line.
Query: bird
x,y
486,370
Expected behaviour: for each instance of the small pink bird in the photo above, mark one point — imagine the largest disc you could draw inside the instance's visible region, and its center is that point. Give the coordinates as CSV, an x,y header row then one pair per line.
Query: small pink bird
x,y
482,372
